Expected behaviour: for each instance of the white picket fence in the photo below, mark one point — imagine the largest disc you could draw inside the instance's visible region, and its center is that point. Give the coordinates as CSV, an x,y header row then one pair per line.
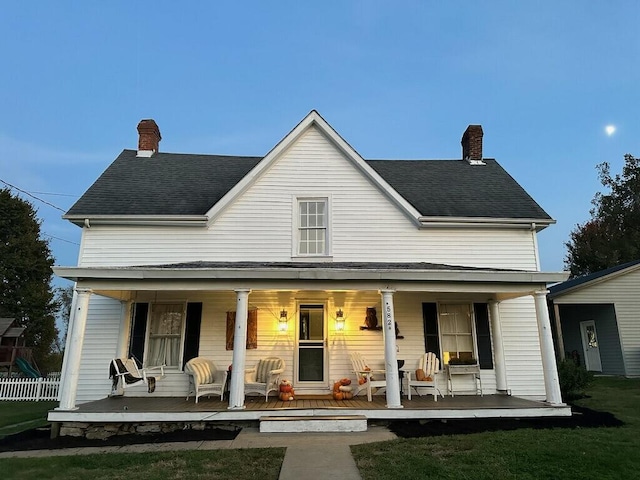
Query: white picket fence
x,y
30,388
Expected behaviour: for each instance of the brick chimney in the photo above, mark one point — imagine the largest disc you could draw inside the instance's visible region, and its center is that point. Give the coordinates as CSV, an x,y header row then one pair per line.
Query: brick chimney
x,y
149,138
472,145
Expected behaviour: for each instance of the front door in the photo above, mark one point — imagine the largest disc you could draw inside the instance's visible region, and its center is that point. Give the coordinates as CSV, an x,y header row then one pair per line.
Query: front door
x,y
590,346
312,363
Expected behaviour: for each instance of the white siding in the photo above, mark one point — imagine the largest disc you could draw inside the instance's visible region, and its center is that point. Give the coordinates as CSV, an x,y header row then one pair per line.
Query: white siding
x,y
99,348
525,376
624,292
364,224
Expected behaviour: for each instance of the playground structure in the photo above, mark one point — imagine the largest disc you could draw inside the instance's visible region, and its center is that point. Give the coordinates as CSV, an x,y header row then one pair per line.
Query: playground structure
x,y
15,357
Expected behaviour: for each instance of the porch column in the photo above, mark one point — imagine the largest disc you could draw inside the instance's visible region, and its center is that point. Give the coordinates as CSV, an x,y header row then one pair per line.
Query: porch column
x,y
550,369
560,338
73,352
236,388
498,349
390,357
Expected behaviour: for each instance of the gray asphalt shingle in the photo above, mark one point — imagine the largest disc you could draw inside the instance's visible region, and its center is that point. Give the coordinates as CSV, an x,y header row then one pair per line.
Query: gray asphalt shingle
x,y
186,184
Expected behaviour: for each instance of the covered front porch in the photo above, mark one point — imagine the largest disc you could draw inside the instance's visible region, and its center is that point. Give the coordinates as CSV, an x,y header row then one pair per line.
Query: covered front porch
x,y
516,339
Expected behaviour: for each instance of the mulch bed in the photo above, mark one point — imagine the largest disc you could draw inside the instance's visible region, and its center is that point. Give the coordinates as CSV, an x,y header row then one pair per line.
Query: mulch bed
x,y
581,418
39,439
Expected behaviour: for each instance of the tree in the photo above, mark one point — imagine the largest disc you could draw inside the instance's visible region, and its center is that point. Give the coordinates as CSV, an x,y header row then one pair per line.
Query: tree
x,y
64,298
25,276
612,235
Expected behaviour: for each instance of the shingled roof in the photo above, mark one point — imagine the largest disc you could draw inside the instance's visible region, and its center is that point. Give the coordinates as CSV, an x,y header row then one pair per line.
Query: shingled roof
x,y
186,184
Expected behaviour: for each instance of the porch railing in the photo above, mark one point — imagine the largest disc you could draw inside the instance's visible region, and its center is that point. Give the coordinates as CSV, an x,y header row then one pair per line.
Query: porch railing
x,y
33,389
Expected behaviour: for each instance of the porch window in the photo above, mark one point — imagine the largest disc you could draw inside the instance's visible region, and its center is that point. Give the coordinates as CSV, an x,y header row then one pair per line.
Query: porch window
x,y
456,332
165,334
162,333
312,226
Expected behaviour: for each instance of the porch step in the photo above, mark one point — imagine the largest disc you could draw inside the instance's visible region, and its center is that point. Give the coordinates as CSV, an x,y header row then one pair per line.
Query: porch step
x,y
324,423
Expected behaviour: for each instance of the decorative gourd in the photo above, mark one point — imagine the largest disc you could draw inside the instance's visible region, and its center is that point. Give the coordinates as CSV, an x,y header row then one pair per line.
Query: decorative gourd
x,y
345,381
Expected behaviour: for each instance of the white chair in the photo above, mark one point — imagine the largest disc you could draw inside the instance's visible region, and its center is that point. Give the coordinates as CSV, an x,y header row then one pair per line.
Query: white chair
x,y
126,372
430,366
372,378
264,377
205,378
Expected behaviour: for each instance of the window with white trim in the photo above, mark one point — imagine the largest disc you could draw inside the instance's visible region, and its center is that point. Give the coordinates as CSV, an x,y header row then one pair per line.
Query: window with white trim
x,y
456,331
165,333
312,226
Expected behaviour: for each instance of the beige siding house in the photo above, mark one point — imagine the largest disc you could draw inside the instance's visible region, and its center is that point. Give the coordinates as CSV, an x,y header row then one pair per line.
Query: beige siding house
x,y
597,319
307,239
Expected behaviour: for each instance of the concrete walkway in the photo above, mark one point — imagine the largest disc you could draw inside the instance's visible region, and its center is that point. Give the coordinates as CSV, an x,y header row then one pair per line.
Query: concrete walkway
x,y
309,455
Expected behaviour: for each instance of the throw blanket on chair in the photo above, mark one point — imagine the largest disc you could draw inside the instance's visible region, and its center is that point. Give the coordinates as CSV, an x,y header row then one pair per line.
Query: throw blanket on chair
x,y
128,377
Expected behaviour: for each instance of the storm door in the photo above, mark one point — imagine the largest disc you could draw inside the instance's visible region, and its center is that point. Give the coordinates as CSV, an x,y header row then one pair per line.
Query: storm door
x,y
590,346
312,342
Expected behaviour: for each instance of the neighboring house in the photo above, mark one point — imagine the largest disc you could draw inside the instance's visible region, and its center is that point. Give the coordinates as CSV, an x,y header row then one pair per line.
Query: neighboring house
x,y
175,246
597,319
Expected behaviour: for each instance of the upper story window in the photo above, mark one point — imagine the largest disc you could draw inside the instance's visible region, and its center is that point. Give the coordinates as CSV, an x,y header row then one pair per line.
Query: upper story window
x,y
312,226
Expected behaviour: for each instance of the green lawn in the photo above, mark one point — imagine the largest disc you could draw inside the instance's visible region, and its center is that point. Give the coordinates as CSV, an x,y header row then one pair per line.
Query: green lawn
x,y
24,415
602,453
263,464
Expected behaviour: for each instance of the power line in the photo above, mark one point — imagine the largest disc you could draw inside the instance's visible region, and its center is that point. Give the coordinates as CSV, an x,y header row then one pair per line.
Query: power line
x,y
32,196
57,194
61,239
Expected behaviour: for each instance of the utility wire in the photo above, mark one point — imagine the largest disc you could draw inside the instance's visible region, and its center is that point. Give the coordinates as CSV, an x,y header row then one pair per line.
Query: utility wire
x,y
61,239
43,201
32,196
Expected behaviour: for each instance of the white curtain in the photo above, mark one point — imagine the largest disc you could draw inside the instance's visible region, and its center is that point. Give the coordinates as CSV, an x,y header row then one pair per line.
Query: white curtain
x,y
165,333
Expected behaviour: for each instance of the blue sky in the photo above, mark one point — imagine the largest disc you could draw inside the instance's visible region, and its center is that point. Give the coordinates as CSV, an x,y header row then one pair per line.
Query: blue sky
x,y
395,79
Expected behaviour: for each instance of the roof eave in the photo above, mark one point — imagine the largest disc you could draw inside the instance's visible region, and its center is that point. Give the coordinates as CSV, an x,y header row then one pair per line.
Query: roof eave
x,y
536,224
338,274
143,220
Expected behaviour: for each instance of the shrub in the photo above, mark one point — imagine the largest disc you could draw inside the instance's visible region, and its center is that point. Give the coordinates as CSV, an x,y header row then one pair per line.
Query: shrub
x,y
574,378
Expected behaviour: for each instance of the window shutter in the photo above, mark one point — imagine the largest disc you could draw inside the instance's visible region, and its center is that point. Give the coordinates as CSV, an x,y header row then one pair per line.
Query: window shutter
x,y
138,332
192,332
430,320
483,333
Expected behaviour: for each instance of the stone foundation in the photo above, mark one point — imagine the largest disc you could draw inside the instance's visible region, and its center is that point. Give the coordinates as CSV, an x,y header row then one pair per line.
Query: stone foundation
x,y
103,431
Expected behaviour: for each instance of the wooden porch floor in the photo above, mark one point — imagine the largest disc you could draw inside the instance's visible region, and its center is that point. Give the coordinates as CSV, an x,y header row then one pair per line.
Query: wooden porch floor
x,y
209,409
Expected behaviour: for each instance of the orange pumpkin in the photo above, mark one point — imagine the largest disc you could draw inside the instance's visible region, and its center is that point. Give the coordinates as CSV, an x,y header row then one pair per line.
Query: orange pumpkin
x,y
345,381
338,395
336,386
285,388
347,395
362,381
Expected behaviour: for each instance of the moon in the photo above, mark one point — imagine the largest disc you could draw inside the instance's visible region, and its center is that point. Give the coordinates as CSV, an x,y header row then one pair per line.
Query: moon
x,y
610,130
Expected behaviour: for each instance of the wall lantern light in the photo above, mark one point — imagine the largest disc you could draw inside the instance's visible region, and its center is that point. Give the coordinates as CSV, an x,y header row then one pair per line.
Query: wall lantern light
x,y
283,322
339,320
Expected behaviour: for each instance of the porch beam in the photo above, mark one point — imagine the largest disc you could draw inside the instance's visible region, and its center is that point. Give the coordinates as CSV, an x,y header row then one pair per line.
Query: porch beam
x,y
550,369
73,353
236,389
390,351
498,348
